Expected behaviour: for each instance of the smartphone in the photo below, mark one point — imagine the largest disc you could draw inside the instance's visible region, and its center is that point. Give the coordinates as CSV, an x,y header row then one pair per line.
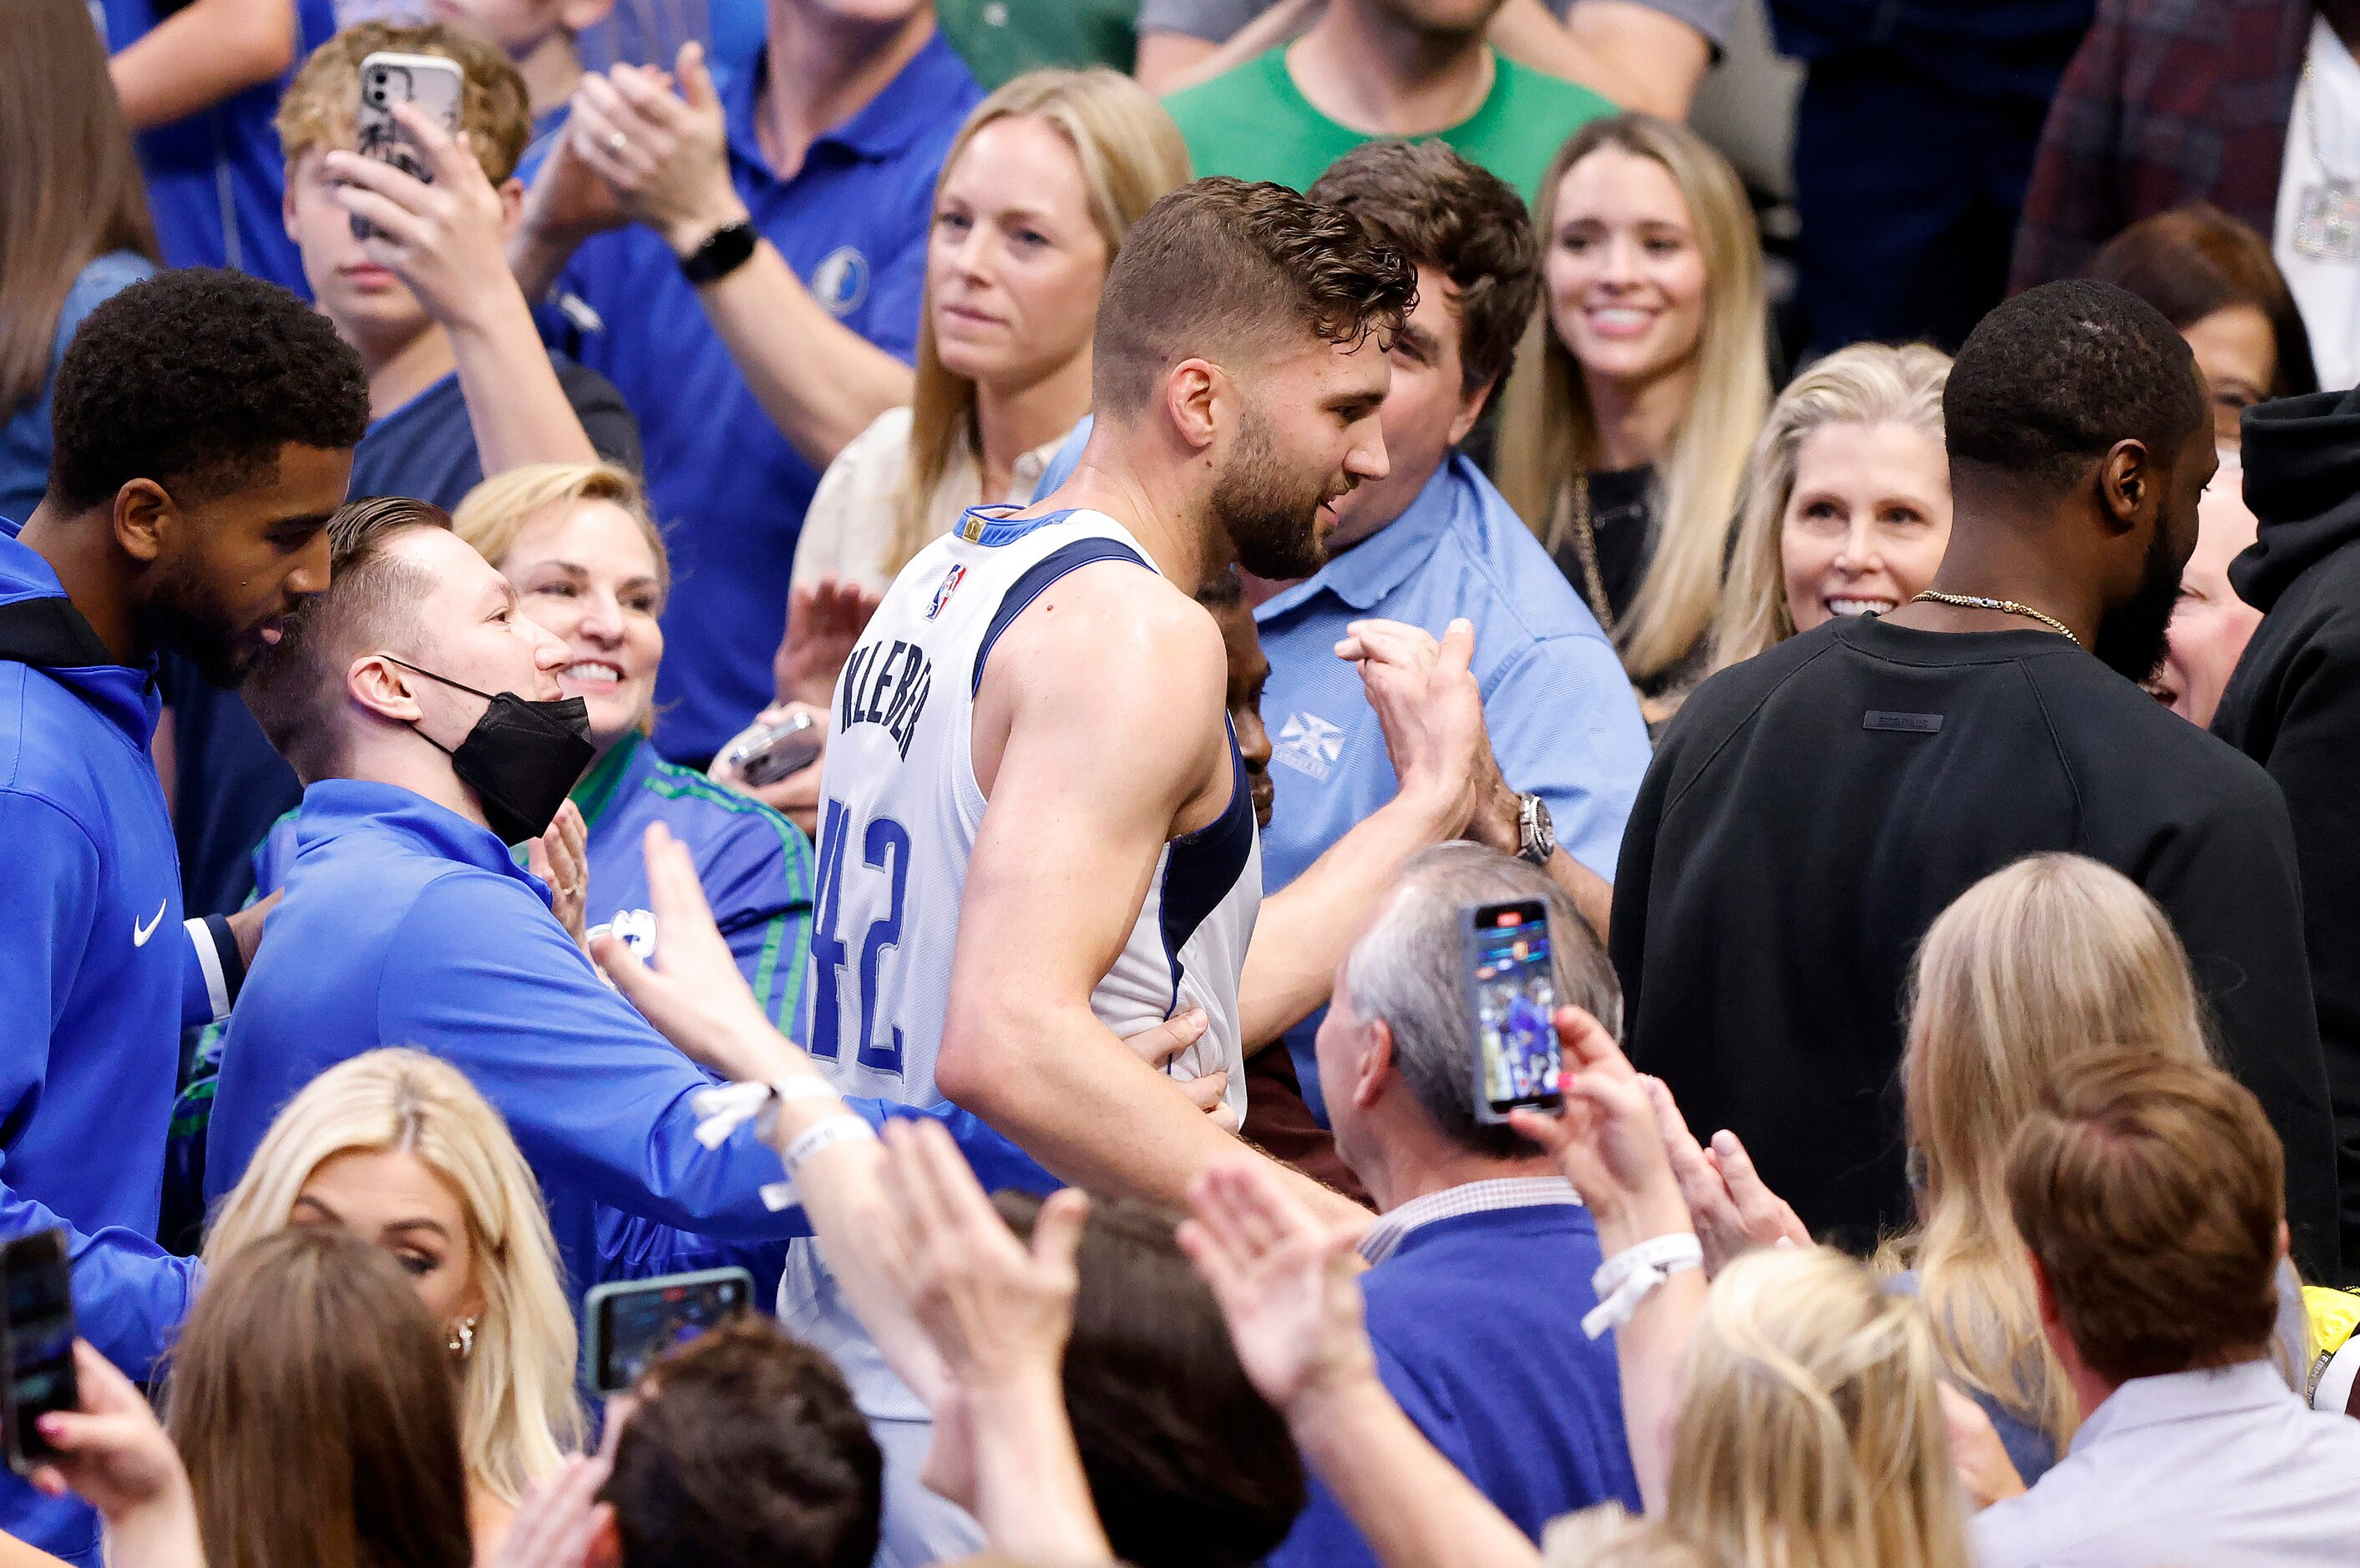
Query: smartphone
x,y
1512,995
773,752
38,1333
428,81
630,1323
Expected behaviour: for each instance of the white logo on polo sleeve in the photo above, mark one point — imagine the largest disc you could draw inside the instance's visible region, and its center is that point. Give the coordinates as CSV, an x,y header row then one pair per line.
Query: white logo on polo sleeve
x,y
1309,744
840,281
140,934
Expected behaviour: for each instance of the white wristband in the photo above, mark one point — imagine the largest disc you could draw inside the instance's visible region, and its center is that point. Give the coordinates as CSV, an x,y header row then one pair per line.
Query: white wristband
x,y
825,1133
725,1109
1628,1277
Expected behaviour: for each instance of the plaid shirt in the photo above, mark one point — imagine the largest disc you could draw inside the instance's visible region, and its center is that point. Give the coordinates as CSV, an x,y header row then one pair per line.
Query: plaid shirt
x,y
2167,102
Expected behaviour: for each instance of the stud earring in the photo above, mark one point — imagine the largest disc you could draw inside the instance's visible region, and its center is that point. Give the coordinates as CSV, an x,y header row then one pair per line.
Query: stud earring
x,y
462,1342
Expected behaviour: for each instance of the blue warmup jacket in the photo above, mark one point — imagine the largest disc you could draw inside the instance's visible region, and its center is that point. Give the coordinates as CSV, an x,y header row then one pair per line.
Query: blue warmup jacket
x,y
405,924
754,867
93,987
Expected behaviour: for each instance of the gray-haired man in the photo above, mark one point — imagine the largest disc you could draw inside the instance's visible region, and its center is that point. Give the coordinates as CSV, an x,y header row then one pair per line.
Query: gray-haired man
x,y
1481,1262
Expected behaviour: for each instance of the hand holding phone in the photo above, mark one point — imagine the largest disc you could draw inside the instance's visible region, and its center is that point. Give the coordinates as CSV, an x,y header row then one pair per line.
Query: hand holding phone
x,y
38,1333
630,1323
1511,1002
429,82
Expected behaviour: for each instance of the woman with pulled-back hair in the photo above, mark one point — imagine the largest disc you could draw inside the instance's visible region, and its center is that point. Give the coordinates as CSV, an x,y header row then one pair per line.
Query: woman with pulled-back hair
x,y
316,1410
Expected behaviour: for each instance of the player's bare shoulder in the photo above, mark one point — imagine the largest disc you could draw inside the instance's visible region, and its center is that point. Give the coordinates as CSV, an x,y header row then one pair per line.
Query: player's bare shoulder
x,y
1119,628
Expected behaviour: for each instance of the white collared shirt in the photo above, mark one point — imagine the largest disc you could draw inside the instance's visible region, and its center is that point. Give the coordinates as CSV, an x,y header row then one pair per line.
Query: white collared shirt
x,y
1468,1198
2225,1468
850,525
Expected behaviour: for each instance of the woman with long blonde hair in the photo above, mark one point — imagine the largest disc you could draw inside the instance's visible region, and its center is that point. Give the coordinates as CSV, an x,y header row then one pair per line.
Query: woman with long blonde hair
x,y
2041,961
1036,196
1626,424
398,1147
1847,499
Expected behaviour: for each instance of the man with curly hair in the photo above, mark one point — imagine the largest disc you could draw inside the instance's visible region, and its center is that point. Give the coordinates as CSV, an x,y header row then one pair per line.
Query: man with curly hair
x,y
205,430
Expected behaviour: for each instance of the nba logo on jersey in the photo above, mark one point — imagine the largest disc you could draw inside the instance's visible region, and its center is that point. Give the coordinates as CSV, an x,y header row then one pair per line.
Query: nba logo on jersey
x,y
951,580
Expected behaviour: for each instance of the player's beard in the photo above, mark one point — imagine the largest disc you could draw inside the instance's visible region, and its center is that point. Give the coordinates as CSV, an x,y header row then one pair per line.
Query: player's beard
x,y
2133,636
1270,512
185,614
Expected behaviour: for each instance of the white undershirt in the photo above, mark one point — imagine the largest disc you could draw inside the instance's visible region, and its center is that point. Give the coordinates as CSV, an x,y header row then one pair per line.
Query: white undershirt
x,y
2327,290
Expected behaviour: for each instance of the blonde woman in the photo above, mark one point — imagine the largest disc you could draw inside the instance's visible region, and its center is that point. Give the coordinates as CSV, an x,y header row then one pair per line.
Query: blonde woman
x,y
1626,424
398,1148
2041,962
1043,182
1847,499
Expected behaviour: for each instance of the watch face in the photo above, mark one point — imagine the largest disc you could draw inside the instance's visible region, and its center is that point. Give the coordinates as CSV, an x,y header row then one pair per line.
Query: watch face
x,y
1540,833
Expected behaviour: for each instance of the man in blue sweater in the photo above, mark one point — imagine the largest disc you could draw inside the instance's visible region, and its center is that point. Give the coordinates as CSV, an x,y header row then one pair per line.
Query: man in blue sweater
x,y
400,699
204,425
1480,1262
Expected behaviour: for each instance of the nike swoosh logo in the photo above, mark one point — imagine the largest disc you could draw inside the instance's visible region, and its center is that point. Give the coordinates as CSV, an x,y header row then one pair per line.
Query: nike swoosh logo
x,y
139,933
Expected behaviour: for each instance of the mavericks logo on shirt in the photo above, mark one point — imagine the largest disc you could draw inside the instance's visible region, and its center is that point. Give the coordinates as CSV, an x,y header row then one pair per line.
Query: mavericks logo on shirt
x,y
1309,744
840,281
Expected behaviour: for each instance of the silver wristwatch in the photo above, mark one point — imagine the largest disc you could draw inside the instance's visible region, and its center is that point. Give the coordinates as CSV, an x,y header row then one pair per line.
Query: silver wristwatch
x,y
1536,834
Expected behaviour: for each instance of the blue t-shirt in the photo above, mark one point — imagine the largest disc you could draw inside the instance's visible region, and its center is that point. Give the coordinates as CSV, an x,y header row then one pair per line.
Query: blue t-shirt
x,y
216,181
426,448
1476,1319
852,223
25,444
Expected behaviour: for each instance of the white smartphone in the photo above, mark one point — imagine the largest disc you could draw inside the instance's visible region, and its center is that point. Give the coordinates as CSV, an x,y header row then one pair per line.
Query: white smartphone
x,y
433,84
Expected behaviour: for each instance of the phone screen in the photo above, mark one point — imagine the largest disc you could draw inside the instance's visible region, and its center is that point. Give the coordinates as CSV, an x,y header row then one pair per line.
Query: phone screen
x,y
1514,991
40,1337
640,1322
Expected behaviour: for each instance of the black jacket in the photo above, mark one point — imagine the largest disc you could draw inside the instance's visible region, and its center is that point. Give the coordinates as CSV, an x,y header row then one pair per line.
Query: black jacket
x,y
2294,705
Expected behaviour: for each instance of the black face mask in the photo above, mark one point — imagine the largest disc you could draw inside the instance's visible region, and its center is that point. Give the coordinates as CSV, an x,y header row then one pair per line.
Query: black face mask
x,y
521,759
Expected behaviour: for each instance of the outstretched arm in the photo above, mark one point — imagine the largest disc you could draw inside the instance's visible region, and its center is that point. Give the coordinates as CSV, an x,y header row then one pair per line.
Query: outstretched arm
x,y
1635,54
202,54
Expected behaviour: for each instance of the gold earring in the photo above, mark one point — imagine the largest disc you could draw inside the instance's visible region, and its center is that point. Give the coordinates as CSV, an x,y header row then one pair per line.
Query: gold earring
x,y
462,1342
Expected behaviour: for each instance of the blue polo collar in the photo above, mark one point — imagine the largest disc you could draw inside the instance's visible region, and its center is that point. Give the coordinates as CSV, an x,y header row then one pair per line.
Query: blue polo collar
x,y
1364,575
904,108
406,822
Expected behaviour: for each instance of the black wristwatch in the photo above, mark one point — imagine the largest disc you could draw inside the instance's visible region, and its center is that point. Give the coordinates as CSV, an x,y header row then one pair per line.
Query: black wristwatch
x,y
1536,834
725,250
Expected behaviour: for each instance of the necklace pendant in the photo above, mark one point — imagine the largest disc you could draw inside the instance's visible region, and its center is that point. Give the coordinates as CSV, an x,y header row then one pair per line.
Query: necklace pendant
x,y
2327,221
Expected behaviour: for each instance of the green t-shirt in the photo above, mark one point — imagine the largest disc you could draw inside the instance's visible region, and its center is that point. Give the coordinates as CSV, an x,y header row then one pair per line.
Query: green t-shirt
x,y
1254,123
1000,39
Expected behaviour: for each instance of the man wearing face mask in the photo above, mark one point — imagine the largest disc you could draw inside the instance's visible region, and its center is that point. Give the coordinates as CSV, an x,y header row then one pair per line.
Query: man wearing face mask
x,y
1810,810
421,711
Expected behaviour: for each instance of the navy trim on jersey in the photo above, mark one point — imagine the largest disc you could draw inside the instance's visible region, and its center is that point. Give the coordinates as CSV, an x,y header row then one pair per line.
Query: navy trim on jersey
x,y
1036,582
992,524
1204,864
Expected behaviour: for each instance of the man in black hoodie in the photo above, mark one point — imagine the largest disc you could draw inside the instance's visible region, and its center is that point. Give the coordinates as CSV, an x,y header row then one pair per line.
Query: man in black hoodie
x,y
2294,704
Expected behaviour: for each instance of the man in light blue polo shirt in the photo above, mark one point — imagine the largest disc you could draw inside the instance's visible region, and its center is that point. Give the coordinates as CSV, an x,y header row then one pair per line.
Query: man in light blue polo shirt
x,y
1432,542
761,307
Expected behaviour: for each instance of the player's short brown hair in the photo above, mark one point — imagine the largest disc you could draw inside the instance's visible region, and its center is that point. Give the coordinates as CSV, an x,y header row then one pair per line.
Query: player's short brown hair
x,y
1224,267
494,110
1460,219
293,688
2150,1191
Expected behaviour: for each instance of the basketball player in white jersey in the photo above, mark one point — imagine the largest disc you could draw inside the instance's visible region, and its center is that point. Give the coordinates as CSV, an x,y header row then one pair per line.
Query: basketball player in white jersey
x,y
1035,834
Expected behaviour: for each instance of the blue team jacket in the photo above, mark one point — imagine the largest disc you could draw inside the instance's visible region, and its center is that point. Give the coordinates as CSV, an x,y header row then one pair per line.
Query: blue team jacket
x,y
93,977
405,924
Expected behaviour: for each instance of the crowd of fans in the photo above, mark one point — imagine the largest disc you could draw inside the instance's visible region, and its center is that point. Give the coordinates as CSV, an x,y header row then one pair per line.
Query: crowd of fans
x,y
1915,670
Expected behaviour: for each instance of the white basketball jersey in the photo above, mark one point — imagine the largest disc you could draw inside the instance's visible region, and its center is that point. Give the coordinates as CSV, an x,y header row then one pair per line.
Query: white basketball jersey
x,y
901,806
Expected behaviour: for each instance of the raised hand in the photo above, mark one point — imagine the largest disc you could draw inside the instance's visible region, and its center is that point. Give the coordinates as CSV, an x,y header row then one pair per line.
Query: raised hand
x,y
1431,711
560,858
1287,1283
694,993
1733,1209
560,1517
446,240
1607,1141
117,1457
664,154
997,1311
824,620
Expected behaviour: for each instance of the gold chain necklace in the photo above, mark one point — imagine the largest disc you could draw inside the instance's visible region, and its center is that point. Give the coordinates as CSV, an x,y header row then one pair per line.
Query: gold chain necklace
x,y
1585,546
2005,606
